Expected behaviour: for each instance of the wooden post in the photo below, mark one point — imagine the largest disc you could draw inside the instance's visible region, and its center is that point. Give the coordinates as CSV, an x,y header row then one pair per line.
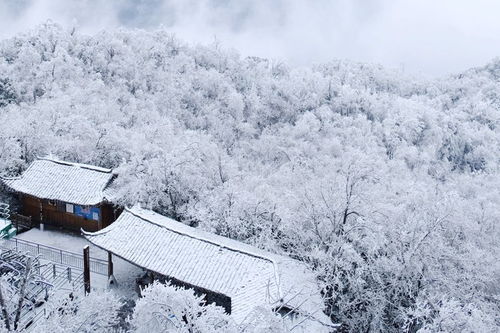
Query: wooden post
x,y
86,269
41,211
110,265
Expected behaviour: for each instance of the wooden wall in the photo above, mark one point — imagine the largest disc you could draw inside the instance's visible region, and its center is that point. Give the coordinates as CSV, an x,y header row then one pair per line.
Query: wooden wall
x,y
54,214
30,207
108,214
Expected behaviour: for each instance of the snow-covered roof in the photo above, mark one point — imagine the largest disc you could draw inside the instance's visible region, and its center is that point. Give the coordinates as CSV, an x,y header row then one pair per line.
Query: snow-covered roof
x,y
52,179
249,276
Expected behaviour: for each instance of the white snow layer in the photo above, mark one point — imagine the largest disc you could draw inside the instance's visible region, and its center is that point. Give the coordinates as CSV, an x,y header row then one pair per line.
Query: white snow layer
x,y
249,276
57,180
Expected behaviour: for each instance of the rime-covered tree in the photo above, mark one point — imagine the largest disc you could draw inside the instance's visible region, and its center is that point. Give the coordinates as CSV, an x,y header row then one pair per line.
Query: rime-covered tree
x,y
386,185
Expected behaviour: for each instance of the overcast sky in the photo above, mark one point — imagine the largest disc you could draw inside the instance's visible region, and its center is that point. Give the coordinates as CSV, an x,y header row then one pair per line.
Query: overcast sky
x,y
432,37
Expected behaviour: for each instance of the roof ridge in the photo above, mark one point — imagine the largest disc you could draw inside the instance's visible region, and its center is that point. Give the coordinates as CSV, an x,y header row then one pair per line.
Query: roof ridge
x,y
273,261
137,214
76,164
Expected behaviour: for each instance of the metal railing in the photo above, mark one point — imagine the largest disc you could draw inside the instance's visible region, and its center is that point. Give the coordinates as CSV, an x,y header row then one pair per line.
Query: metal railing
x,y
44,277
55,255
61,278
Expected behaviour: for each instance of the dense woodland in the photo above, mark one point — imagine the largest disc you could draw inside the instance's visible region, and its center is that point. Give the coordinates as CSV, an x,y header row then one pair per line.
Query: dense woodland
x,y
386,185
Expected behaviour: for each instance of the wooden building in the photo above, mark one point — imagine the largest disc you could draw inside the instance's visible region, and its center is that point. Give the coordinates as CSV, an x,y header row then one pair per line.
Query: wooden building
x,y
64,194
239,277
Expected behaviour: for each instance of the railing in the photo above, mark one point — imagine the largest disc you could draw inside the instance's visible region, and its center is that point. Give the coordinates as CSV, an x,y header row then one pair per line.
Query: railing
x,y
43,277
55,255
60,277
21,222
4,211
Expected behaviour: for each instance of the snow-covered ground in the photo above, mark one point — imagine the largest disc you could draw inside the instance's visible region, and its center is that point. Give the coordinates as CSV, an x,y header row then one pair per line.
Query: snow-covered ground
x,y
124,272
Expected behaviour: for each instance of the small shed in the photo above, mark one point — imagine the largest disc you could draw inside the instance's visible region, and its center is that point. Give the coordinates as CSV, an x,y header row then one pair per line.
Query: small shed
x,y
64,194
232,274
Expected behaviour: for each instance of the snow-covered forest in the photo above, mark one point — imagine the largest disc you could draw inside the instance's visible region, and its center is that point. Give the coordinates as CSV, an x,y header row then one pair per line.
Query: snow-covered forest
x,y
387,185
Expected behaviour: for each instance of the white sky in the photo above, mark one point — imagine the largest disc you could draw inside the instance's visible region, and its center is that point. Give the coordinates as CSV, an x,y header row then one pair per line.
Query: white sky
x,y
433,37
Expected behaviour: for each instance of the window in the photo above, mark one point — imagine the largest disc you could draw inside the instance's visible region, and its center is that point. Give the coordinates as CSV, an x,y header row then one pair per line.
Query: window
x,y
95,216
61,206
69,208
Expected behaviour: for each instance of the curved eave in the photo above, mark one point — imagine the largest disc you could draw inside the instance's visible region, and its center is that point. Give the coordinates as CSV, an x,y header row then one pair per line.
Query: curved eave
x,y
88,233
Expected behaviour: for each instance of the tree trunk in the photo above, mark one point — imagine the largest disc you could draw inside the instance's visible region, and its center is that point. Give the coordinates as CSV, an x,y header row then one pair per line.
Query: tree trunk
x,y
5,314
22,293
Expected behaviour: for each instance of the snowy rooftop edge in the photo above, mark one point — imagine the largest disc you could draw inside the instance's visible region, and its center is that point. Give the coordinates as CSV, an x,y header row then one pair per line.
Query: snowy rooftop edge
x,y
52,179
286,272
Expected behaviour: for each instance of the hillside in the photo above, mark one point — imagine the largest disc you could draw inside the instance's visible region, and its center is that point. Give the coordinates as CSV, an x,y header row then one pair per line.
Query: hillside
x,y
387,185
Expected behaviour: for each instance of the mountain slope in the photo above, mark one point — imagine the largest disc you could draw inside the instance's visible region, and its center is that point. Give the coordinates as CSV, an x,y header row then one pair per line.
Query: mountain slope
x,y
387,185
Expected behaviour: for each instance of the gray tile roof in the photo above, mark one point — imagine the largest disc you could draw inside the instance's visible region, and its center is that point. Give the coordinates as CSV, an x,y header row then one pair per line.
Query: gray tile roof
x,y
58,180
249,276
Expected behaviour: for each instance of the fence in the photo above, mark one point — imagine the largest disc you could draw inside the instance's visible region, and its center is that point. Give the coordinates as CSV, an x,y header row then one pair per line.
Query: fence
x,y
55,255
42,278
60,278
